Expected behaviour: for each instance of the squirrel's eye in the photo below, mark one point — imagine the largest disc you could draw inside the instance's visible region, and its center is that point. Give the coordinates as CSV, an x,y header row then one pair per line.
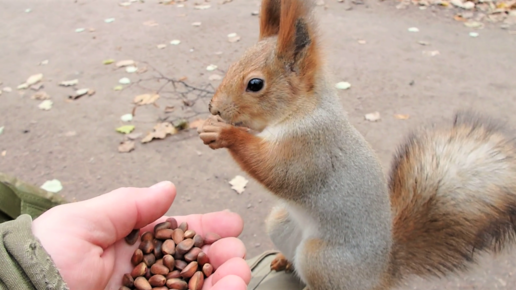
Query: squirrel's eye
x,y
255,85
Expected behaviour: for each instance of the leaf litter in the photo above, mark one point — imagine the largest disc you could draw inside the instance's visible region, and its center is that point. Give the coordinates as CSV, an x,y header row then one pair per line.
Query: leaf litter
x,y
53,186
373,117
126,146
160,131
46,105
238,184
126,129
69,83
40,96
145,99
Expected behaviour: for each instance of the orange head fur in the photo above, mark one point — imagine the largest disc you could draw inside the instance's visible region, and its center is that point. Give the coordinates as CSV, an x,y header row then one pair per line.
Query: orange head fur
x,y
277,76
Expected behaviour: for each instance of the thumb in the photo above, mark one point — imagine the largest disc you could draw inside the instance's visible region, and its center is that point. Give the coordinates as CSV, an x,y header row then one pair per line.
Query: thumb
x,y
117,213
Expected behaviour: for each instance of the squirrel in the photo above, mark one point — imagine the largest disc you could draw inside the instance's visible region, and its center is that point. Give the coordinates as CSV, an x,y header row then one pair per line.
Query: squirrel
x,y
340,223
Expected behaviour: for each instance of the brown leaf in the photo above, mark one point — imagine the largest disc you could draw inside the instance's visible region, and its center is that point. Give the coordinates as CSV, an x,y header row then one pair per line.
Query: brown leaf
x,y
126,146
145,99
401,116
196,124
40,96
160,131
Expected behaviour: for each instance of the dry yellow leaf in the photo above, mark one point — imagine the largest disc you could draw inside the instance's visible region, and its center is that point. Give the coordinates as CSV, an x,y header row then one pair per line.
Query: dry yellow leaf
x,y
401,116
145,99
160,131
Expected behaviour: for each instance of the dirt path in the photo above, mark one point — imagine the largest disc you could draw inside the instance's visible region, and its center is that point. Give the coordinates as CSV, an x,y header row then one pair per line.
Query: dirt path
x,y
389,73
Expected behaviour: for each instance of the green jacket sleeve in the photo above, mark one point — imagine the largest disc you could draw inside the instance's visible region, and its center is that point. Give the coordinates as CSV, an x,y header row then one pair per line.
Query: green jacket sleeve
x,y
24,263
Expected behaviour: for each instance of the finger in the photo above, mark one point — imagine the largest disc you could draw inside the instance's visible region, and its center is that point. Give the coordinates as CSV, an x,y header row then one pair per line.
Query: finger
x,y
224,250
117,213
207,138
233,277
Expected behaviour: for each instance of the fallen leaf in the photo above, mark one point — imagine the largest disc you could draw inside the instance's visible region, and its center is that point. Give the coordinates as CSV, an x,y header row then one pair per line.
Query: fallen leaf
x,y
45,62
459,17
431,52
215,77
28,10
343,85
46,105
127,117
37,87
202,7
161,46
124,81
169,109
126,146
69,83
473,34
175,42
401,116
473,24
150,23
7,89
413,29
373,117
4,153
141,70
1,130
238,184
131,69
53,185
126,129
145,99
233,37
361,41
79,93
23,86
124,4
133,136
196,124
79,30
160,131
108,61
109,20
196,24
34,79
91,92
91,29
127,62
211,67
40,96
118,88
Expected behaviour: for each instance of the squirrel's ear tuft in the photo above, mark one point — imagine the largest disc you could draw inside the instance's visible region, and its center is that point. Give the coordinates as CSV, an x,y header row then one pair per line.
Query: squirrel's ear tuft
x,y
296,33
270,18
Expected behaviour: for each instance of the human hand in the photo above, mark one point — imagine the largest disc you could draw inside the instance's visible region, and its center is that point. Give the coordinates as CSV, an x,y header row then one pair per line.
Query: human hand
x,y
86,239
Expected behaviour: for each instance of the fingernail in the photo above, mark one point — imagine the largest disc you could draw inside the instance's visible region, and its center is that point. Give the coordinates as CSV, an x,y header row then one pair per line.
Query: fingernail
x,y
161,184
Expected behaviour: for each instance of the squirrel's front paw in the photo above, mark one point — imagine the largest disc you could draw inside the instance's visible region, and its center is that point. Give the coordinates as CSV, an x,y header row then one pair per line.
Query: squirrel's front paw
x,y
280,263
211,132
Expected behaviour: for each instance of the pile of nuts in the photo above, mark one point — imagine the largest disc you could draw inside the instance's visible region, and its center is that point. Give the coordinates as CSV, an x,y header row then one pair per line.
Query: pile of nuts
x,y
170,257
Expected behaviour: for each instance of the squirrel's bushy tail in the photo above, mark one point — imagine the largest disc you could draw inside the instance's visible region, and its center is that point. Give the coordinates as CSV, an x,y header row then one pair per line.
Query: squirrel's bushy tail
x,y
453,194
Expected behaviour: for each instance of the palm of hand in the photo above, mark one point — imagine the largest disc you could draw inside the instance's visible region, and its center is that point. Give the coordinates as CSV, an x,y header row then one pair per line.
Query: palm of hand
x,y
86,239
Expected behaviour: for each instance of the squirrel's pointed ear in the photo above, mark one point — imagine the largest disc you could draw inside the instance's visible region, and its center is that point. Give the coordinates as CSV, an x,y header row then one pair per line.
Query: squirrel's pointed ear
x,y
296,31
270,18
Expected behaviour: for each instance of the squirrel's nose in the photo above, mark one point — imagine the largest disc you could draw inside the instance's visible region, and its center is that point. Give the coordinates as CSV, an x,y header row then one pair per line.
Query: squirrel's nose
x,y
213,111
